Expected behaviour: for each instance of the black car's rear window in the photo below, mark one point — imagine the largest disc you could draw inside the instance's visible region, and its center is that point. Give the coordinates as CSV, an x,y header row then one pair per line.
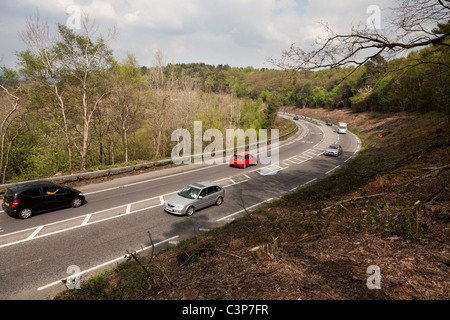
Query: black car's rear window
x,y
9,193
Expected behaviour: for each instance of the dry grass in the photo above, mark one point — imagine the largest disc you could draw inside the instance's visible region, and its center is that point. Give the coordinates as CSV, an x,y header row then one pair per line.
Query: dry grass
x,y
389,208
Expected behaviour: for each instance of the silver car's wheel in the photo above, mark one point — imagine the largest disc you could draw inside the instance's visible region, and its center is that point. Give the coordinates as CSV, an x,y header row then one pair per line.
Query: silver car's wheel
x,y
219,201
25,213
76,202
190,211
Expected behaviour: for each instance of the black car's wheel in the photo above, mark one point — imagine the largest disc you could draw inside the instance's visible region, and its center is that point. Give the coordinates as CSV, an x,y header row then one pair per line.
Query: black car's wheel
x,y
76,202
25,213
219,201
190,211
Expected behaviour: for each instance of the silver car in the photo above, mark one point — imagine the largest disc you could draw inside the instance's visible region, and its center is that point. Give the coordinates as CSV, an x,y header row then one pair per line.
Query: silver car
x,y
333,150
194,197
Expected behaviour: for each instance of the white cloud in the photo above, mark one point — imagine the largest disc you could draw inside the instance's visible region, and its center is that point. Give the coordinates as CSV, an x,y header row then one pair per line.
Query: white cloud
x,y
235,32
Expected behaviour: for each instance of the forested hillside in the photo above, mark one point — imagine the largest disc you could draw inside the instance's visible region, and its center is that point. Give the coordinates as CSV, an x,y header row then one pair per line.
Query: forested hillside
x,y
71,106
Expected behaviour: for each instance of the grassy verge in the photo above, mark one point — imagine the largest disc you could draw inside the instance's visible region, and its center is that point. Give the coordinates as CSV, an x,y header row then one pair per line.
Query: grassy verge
x,y
388,207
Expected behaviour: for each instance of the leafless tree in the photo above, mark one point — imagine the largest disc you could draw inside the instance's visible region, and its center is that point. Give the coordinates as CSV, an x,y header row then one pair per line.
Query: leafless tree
x,y
411,26
11,125
40,40
78,56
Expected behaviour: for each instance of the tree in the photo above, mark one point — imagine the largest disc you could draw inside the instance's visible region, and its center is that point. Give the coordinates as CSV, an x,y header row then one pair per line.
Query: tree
x,y
413,24
11,113
40,66
74,66
125,99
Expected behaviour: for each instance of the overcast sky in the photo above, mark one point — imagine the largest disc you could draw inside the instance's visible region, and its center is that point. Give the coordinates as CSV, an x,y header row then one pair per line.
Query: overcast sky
x,y
240,33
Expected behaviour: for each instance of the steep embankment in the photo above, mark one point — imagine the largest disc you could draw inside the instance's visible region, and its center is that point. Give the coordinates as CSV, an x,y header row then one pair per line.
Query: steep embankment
x,y
388,210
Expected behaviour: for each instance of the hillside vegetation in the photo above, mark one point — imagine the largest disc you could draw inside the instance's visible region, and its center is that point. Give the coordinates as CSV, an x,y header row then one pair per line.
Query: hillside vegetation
x,y
59,115
388,208
71,106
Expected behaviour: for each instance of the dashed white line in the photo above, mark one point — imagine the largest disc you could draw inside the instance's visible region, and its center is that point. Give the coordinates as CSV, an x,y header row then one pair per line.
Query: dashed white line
x,y
310,181
306,183
104,264
329,171
240,211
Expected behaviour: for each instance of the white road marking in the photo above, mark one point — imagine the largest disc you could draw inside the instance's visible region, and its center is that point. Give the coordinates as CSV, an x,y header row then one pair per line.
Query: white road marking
x,y
240,211
86,220
104,264
35,230
31,236
329,171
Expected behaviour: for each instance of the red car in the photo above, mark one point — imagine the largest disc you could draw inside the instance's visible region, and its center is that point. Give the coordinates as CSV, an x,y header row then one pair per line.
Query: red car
x,y
243,160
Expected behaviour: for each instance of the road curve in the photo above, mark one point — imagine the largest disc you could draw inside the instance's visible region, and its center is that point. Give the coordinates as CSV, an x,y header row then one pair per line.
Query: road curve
x,y
36,254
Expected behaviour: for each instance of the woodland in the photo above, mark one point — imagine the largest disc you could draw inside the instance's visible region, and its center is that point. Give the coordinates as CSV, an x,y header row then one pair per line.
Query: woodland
x,y
71,106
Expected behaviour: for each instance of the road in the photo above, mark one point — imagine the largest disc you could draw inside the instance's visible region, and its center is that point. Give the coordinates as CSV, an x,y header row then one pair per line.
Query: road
x,y
36,254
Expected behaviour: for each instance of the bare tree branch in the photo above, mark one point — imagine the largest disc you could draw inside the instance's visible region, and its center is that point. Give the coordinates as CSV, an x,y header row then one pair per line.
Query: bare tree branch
x,y
411,27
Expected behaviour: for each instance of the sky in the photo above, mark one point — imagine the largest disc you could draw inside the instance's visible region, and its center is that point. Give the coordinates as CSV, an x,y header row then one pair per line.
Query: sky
x,y
239,33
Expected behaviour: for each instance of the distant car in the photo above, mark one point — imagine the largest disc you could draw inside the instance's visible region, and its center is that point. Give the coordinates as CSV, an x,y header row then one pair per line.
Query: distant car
x,y
296,118
25,200
329,123
333,150
243,160
194,197
342,128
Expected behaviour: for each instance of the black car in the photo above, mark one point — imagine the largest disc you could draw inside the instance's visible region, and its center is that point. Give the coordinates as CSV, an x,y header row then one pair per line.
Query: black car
x,y
295,117
24,200
329,123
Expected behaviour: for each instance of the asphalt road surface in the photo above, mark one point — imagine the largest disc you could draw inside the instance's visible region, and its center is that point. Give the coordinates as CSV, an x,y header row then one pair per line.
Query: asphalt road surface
x,y
36,254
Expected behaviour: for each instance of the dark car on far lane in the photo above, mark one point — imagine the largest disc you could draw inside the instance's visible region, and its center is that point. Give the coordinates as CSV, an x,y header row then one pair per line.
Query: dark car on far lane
x,y
24,200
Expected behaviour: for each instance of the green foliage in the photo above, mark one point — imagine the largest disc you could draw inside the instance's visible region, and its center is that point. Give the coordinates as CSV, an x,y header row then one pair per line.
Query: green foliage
x,y
123,112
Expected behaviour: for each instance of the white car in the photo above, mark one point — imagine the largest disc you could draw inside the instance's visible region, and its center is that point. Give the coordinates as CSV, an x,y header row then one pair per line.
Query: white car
x,y
194,197
333,150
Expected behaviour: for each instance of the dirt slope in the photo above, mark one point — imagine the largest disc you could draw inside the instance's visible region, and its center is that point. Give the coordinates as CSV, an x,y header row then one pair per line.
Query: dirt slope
x,y
389,209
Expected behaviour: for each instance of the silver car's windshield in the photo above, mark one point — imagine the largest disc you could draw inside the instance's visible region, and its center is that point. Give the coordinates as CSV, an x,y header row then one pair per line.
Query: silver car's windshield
x,y
189,192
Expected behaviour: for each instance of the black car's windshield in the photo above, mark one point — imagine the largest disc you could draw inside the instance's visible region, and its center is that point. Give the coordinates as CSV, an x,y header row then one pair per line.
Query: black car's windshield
x,y
189,192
